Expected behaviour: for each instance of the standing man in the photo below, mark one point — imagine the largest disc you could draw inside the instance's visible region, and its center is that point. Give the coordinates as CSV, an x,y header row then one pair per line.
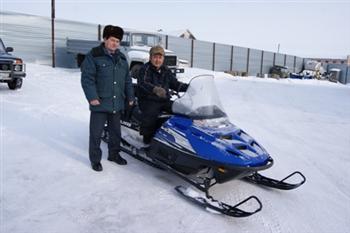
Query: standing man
x,y
154,81
107,86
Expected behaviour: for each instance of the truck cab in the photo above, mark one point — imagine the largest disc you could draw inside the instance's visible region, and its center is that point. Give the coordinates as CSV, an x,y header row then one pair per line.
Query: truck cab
x,y
135,46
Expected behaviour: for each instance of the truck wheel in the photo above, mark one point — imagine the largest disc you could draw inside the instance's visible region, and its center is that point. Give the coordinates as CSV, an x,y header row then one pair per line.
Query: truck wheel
x,y
135,70
15,84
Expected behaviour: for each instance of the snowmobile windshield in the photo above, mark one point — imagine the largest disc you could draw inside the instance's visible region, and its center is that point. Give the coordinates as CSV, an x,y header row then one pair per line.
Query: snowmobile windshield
x,y
201,100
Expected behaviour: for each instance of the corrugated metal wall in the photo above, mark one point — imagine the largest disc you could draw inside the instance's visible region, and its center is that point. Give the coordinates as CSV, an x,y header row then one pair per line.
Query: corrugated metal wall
x,y
299,64
31,37
222,57
202,54
181,46
28,35
240,57
254,67
279,59
267,61
290,63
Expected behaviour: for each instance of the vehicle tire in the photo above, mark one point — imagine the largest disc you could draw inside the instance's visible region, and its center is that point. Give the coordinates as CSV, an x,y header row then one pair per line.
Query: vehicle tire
x,y
15,83
135,70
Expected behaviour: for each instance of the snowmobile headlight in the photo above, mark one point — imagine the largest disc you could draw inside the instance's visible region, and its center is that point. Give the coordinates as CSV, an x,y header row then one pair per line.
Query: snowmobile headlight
x,y
221,122
222,170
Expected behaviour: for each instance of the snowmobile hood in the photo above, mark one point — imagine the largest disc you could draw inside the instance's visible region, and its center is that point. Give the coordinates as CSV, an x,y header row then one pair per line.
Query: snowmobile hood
x,y
222,143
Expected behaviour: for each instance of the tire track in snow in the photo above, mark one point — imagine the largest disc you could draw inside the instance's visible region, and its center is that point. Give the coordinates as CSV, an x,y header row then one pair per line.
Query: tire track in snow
x,y
269,218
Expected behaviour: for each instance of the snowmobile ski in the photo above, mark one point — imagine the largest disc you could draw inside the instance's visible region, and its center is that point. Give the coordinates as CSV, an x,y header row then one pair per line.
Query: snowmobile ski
x,y
259,179
213,205
206,200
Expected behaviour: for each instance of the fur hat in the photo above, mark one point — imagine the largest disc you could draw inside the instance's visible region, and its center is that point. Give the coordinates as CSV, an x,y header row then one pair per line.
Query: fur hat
x,y
156,50
114,31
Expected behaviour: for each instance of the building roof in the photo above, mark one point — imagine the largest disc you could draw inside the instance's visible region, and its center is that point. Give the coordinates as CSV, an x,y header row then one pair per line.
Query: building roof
x,y
184,33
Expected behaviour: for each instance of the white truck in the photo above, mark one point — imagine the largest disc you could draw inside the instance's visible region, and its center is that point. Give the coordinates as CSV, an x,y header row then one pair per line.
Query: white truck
x,y
135,45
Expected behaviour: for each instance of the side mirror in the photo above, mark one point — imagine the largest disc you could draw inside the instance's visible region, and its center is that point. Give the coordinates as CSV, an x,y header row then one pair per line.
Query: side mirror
x,y
9,49
125,43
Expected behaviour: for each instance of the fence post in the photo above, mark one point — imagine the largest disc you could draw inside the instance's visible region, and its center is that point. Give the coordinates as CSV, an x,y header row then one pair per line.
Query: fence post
x,y
274,59
166,41
248,55
285,60
262,63
192,47
99,32
213,65
295,63
231,65
53,33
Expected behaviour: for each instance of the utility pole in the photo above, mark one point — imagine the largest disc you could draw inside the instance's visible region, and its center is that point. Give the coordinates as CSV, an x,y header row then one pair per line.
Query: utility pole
x,y
53,32
278,48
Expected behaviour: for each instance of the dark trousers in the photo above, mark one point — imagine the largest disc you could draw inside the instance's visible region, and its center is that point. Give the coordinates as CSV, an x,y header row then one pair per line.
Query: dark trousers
x,y
97,123
150,112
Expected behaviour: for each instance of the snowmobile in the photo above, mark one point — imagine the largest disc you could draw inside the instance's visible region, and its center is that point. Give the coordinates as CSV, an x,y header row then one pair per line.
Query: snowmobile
x,y
199,144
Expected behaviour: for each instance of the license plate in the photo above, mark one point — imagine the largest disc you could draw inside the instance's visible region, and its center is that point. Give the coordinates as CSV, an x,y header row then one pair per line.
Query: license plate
x,y
4,75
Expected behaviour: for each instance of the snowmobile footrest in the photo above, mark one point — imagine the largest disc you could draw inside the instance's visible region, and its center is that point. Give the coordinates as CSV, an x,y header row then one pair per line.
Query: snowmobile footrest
x,y
135,153
259,179
213,205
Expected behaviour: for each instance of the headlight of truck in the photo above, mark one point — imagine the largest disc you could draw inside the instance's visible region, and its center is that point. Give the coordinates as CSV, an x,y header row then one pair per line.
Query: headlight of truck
x,y
17,68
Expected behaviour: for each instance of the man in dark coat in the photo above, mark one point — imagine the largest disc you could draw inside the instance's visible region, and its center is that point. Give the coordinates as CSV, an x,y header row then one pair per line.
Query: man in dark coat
x,y
154,81
107,86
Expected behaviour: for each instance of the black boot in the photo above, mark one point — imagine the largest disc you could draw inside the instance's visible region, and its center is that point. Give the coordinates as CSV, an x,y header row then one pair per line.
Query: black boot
x,y
97,166
147,138
118,159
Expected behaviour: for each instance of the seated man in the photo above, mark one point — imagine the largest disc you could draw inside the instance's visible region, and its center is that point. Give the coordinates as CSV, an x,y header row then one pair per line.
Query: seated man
x,y
154,81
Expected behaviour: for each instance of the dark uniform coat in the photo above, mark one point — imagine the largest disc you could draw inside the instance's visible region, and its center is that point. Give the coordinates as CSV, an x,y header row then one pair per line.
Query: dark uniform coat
x,y
106,77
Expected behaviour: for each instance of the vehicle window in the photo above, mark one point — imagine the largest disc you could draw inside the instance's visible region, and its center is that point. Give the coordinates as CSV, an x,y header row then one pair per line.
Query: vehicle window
x,y
145,39
2,47
126,37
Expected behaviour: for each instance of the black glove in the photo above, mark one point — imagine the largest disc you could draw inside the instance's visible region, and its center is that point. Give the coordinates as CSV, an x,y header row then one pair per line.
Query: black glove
x,y
160,92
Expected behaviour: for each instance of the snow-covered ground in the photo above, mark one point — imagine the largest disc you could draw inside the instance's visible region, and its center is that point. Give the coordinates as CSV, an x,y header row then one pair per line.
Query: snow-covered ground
x,y
47,184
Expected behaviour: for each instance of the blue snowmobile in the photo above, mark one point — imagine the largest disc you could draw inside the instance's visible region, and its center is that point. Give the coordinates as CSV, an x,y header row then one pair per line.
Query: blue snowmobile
x,y
199,144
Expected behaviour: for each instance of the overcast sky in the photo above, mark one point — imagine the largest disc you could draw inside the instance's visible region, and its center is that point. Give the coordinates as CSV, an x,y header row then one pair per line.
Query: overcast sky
x,y
304,28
